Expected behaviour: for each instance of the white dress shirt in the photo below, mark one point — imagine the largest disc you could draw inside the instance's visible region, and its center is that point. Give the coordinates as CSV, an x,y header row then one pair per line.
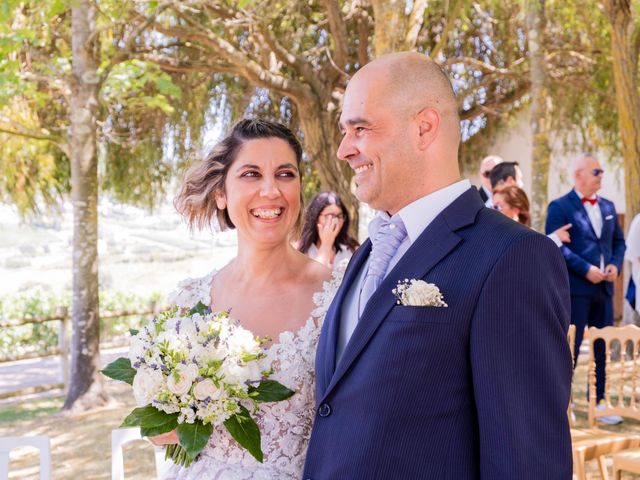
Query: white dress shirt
x,y
343,255
489,202
416,216
595,217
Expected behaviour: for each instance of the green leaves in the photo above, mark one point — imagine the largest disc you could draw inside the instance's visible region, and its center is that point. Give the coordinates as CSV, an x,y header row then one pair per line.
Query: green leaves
x,y
194,437
200,308
151,421
246,432
120,369
270,391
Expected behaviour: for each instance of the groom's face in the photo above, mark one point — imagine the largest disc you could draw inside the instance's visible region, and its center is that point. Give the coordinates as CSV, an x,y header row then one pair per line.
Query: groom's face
x,y
376,143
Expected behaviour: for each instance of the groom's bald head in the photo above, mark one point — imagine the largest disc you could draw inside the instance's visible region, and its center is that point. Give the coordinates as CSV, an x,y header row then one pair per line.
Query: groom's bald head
x,y
409,82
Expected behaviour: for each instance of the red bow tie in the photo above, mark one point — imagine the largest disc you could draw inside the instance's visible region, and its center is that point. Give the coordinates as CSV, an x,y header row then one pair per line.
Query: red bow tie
x,y
592,201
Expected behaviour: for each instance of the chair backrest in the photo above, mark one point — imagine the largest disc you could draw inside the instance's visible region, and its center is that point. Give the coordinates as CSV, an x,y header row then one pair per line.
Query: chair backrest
x,y
121,436
621,396
41,442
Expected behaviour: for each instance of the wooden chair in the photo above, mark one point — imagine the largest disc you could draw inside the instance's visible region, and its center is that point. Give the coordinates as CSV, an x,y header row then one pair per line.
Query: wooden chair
x,y
592,443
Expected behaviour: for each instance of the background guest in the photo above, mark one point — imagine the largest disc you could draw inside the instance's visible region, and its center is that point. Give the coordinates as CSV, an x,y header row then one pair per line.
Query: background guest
x,y
514,203
593,257
486,165
325,235
505,174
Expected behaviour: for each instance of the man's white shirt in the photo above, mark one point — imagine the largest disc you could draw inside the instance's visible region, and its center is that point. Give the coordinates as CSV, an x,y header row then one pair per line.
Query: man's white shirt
x,y
595,217
416,216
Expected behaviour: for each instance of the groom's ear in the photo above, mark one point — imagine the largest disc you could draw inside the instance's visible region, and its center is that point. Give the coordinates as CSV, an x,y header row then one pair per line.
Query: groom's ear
x,y
428,120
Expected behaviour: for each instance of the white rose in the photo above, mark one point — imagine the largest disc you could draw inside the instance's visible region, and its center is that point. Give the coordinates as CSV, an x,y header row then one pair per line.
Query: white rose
x,y
205,388
174,341
180,380
241,341
137,349
146,384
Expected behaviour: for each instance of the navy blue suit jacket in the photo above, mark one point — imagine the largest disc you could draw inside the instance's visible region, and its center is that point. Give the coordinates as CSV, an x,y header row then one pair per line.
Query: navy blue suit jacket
x,y
478,389
586,248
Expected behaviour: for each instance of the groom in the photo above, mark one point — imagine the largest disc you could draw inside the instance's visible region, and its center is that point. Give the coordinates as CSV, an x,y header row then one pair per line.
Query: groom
x,y
407,389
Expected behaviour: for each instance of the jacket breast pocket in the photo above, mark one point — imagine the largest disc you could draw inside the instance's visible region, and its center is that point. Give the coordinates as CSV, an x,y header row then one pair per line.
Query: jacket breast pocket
x,y
426,315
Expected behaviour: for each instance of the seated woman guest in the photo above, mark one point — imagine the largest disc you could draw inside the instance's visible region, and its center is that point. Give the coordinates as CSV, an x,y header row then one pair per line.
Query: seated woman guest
x,y
513,202
325,235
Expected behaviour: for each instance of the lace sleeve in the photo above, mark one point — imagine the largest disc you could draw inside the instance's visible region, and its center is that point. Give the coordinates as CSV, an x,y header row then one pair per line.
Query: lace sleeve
x,y
324,298
191,291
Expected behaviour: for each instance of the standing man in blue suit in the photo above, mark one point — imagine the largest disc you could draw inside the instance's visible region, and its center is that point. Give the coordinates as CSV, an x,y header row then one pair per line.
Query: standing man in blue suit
x,y
467,376
593,257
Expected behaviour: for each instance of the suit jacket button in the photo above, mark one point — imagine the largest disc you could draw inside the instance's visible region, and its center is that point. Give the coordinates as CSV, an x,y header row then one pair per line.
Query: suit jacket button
x,y
324,410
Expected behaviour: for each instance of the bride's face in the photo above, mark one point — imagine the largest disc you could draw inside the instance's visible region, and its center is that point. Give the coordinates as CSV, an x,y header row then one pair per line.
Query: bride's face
x,y
262,191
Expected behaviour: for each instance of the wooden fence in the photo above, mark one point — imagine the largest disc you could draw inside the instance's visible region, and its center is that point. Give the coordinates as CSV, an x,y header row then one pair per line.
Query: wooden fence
x,y
62,316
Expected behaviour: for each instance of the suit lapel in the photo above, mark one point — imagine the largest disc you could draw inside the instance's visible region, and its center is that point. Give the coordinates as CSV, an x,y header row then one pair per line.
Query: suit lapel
x,y
577,203
437,240
331,326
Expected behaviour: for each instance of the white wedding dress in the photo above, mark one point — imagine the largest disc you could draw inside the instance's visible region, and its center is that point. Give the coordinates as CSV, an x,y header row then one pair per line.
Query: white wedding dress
x,y
285,426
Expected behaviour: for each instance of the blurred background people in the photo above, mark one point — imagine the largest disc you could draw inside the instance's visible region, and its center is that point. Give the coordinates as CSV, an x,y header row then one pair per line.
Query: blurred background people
x,y
593,257
325,235
505,174
633,256
486,165
513,202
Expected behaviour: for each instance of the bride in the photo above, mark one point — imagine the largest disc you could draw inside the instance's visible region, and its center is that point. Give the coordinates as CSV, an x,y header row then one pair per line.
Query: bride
x,y
251,181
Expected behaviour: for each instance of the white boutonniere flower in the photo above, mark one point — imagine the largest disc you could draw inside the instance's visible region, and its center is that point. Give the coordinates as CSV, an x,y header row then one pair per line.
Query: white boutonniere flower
x,y
418,293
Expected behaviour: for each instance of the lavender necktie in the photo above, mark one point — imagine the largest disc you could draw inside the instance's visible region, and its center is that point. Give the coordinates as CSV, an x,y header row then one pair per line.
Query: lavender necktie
x,y
385,244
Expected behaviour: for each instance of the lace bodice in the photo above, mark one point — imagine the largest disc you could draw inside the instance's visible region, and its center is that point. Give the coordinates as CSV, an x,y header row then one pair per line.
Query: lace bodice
x,y
285,426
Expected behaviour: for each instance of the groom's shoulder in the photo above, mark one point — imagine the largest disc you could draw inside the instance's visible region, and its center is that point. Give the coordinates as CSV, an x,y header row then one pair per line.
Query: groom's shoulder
x,y
495,230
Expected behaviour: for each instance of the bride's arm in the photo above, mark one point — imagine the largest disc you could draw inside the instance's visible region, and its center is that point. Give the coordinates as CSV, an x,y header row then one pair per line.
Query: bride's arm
x,y
169,438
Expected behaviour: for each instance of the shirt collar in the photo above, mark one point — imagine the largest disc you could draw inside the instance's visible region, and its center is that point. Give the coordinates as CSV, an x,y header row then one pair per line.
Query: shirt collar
x,y
581,196
419,214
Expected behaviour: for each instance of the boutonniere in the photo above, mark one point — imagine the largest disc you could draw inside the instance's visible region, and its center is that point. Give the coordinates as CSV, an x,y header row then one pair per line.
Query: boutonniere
x,y
418,293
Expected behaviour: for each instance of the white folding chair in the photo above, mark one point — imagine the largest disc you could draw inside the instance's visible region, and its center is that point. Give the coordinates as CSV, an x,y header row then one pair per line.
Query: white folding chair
x,y
41,442
121,436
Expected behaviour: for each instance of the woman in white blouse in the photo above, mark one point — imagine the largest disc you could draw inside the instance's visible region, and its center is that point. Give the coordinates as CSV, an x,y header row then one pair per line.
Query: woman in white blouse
x,y
325,235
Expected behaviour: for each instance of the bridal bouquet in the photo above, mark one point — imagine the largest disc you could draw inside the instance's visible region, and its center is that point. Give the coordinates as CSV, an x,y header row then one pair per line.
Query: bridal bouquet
x,y
192,371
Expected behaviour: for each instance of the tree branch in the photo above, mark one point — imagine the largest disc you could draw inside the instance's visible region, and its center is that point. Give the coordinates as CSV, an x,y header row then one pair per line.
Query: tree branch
x,y
416,20
55,83
493,107
454,10
242,63
364,29
22,131
128,48
485,67
338,31
295,62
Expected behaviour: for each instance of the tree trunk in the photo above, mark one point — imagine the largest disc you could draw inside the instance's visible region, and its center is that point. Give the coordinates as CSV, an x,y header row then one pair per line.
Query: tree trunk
x,y
390,26
322,138
86,385
540,152
625,74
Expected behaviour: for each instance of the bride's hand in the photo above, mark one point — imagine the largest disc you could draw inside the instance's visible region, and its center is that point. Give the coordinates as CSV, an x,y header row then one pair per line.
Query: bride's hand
x,y
169,438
